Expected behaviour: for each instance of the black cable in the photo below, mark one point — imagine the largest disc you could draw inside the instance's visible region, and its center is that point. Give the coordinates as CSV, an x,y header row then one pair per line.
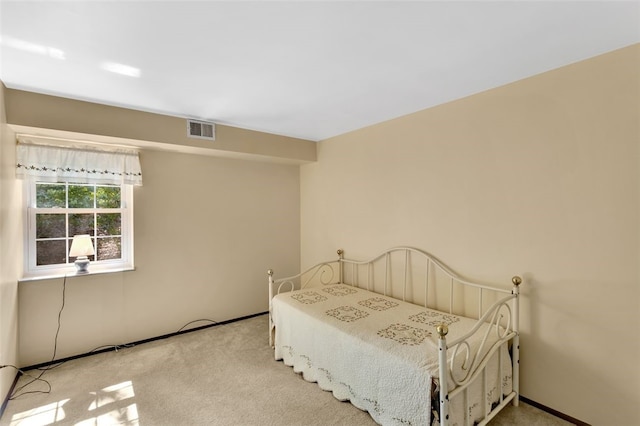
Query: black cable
x,y
115,347
16,393
191,322
55,340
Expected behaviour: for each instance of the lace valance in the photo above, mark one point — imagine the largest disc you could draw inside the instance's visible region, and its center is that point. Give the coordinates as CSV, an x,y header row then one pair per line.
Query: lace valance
x,y
78,165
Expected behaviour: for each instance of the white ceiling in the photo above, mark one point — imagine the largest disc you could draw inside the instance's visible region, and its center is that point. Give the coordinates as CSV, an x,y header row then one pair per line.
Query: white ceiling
x,y
308,69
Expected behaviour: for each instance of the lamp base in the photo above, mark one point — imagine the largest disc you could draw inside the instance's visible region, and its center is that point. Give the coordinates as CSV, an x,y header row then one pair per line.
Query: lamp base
x,y
82,265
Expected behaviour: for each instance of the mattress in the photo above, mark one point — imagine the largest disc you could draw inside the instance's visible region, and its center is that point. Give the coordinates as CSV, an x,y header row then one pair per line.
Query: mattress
x,y
379,353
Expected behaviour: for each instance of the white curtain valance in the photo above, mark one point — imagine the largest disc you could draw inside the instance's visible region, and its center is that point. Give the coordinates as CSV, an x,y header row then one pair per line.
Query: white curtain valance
x,y
57,164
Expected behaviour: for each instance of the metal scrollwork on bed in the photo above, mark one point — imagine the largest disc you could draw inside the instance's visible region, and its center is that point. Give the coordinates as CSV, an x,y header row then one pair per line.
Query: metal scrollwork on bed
x,y
504,323
322,273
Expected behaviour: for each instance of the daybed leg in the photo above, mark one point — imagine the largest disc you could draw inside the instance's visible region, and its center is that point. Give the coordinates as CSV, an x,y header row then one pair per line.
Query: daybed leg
x,y
516,340
516,372
270,273
443,369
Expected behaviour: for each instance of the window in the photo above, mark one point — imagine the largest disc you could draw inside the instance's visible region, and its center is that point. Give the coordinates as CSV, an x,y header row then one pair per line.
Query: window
x,y
76,190
58,211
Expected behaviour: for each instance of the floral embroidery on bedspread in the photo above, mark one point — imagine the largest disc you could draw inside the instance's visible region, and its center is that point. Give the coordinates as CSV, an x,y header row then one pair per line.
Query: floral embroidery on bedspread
x,y
307,360
308,297
327,374
404,334
340,290
375,406
433,318
289,349
378,304
347,313
506,380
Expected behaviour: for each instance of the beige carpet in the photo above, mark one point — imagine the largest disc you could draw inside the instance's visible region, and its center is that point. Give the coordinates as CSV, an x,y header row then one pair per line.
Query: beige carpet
x,y
223,375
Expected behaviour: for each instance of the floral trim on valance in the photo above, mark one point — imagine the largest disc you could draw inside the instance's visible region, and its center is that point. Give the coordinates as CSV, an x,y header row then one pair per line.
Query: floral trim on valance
x,y
57,164
33,168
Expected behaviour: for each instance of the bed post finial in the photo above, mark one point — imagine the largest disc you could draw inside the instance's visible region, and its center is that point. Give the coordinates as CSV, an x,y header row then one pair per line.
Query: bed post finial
x,y
442,330
516,280
340,265
270,272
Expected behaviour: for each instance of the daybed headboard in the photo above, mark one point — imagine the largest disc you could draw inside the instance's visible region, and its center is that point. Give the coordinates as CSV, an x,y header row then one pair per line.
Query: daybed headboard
x,y
418,277
404,273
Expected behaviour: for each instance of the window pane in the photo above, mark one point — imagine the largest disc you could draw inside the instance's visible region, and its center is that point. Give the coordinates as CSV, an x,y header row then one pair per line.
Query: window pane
x,y
50,226
109,248
108,224
60,210
50,195
108,197
81,196
81,223
51,252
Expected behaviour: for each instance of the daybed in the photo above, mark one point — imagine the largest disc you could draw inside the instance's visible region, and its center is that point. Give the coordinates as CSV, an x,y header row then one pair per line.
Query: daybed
x,y
400,335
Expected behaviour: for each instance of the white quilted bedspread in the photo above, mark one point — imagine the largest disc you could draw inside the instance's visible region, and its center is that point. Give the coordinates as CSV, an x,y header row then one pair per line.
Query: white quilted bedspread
x,y
378,352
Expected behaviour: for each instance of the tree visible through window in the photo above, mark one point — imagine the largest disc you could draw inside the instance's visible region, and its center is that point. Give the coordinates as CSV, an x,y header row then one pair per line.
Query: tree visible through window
x,y
63,210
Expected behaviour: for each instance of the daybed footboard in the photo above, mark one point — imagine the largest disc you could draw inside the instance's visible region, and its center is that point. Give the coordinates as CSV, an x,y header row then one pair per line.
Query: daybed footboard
x,y
475,376
502,317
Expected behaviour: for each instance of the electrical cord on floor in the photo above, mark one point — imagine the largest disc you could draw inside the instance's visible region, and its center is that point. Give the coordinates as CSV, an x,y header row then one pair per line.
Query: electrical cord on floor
x,y
39,378
17,392
198,320
115,347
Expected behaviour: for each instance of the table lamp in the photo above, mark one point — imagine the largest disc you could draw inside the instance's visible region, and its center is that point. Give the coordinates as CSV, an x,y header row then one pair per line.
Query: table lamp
x,y
81,247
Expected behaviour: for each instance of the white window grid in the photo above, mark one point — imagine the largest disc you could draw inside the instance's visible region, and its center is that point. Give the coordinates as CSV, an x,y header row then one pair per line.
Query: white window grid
x,y
126,235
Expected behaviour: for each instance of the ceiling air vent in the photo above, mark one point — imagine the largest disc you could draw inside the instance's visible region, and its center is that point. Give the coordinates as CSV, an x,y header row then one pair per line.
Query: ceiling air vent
x,y
200,129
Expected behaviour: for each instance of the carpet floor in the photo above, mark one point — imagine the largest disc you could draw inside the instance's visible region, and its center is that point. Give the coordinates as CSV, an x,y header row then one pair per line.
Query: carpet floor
x,y
224,375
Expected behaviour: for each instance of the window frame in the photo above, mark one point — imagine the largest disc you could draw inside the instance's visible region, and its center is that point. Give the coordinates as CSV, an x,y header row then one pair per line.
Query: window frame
x,y
31,270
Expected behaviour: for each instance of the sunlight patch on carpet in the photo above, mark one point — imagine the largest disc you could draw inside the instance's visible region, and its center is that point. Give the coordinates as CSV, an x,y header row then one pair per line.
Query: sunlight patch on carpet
x,y
126,416
45,415
109,406
112,394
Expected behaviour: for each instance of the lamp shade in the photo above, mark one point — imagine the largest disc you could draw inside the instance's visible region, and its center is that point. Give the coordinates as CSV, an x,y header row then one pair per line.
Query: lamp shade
x,y
81,246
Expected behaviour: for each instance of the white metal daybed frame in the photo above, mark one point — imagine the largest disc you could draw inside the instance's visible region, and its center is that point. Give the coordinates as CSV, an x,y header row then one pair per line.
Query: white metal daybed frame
x,y
503,316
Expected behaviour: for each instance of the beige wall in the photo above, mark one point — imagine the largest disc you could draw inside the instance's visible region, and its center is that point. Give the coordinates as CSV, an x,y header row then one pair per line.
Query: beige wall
x,y
206,229
10,249
540,178
39,114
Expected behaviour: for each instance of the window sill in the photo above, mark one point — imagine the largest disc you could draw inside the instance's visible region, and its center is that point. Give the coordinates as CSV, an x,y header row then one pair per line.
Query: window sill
x,y
72,274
